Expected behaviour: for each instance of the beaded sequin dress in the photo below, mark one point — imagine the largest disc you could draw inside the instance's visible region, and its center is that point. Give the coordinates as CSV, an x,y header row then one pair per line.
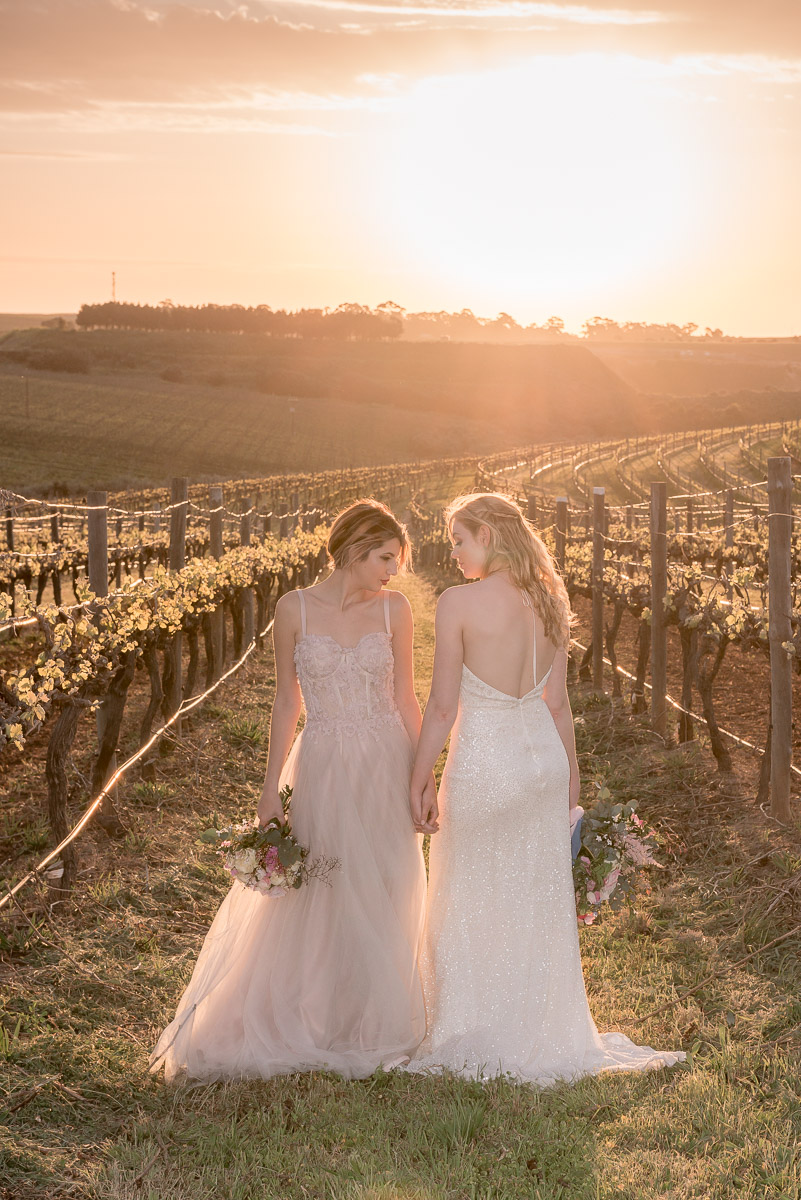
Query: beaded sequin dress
x,y
326,977
501,967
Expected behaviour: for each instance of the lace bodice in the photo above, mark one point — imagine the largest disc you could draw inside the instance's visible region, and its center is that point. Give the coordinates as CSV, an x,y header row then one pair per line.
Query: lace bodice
x,y
347,690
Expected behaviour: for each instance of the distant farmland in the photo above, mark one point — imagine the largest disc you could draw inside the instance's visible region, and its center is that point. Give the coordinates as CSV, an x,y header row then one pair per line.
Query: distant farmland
x,y
115,409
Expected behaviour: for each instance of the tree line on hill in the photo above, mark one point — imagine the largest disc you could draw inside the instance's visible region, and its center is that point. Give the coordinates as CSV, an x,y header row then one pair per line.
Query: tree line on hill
x,y
355,322
347,322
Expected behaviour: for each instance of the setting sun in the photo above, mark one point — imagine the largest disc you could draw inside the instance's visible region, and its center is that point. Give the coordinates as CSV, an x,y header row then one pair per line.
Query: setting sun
x,y
530,158
545,180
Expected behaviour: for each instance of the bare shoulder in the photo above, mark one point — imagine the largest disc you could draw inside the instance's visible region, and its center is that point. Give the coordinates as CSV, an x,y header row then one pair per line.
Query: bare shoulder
x,y
400,612
454,601
398,604
287,610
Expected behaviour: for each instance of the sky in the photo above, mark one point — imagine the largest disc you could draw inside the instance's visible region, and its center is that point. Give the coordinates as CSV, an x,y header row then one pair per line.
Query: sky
x,y
639,161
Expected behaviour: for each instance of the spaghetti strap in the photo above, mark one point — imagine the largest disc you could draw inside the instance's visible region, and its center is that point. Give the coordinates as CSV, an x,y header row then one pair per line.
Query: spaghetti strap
x,y
302,612
528,604
386,612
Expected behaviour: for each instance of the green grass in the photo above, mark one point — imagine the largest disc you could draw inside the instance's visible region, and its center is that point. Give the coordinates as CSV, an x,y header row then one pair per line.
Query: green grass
x,y
86,992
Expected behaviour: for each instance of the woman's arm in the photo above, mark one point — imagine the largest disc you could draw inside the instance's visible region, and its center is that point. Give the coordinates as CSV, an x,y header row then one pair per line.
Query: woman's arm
x,y
405,696
443,701
556,698
286,705
402,623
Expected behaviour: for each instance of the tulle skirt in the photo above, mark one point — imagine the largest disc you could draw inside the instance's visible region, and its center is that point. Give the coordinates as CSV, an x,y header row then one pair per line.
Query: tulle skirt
x,y
326,977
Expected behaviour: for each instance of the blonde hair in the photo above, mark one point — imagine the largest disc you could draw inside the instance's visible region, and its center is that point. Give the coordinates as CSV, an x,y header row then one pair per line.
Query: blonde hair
x,y
515,546
364,526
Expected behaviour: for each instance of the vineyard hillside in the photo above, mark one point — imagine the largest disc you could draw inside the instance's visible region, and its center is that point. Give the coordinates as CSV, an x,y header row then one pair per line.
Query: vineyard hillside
x,y
115,434
676,369
10,322
116,409
523,383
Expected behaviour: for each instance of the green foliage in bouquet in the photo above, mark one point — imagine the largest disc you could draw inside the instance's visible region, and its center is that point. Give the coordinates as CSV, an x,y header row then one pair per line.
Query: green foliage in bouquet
x,y
615,845
267,857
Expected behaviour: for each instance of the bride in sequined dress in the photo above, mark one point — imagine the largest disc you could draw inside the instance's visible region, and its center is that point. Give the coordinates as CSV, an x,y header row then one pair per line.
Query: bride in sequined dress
x,y
326,977
501,967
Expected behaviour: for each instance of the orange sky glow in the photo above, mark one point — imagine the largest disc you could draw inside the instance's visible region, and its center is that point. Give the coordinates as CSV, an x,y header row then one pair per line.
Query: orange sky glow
x,y
637,160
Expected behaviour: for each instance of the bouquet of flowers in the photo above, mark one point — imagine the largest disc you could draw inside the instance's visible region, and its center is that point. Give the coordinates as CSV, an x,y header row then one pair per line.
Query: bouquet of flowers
x,y
614,844
267,858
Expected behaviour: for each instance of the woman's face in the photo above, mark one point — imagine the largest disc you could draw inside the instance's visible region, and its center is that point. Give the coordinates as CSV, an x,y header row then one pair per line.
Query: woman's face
x,y
469,549
375,571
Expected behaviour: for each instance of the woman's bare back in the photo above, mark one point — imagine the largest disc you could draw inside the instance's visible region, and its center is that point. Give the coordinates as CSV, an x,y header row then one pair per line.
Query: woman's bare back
x,y
500,637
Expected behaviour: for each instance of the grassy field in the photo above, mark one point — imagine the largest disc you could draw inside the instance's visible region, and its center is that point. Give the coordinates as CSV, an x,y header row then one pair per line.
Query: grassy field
x,y
85,993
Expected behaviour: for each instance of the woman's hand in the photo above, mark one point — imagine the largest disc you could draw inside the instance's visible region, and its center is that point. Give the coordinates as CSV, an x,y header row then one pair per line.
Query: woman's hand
x,y
269,808
425,812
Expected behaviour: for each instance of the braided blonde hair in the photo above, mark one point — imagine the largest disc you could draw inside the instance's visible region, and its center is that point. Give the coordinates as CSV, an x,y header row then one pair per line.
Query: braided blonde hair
x,y
515,546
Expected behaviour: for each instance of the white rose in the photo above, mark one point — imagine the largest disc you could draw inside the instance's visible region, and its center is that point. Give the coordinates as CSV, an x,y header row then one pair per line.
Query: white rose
x,y
245,862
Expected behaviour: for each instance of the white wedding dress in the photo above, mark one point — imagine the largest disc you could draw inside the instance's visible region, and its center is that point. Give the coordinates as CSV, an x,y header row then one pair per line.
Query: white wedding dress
x,y
501,967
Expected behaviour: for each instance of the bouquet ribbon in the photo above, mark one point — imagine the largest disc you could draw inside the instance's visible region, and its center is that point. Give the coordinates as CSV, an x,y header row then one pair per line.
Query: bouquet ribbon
x,y
575,830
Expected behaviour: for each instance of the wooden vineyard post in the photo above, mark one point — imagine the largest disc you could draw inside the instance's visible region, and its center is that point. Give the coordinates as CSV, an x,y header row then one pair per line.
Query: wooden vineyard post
x,y
531,507
97,564
97,505
689,514
55,538
98,542
561,532
248,623
598,527
729,519
217,617
10,529
178,500
658,593
780,488
118,563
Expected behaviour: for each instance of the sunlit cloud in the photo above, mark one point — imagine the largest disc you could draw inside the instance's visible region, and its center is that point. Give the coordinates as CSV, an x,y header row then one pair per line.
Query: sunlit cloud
x,y
164,119
537,156
67,157
496,10
758,68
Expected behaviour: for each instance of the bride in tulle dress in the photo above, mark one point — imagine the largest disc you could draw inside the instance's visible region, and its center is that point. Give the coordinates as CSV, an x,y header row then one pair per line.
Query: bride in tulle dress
x,y
501,966
326,977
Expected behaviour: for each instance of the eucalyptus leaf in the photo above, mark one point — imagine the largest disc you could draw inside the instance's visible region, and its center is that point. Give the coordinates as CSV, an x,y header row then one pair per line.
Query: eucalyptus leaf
x,y
288,854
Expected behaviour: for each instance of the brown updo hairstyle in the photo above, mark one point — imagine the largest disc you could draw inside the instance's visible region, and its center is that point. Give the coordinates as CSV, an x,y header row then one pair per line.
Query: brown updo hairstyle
x,y
364,526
